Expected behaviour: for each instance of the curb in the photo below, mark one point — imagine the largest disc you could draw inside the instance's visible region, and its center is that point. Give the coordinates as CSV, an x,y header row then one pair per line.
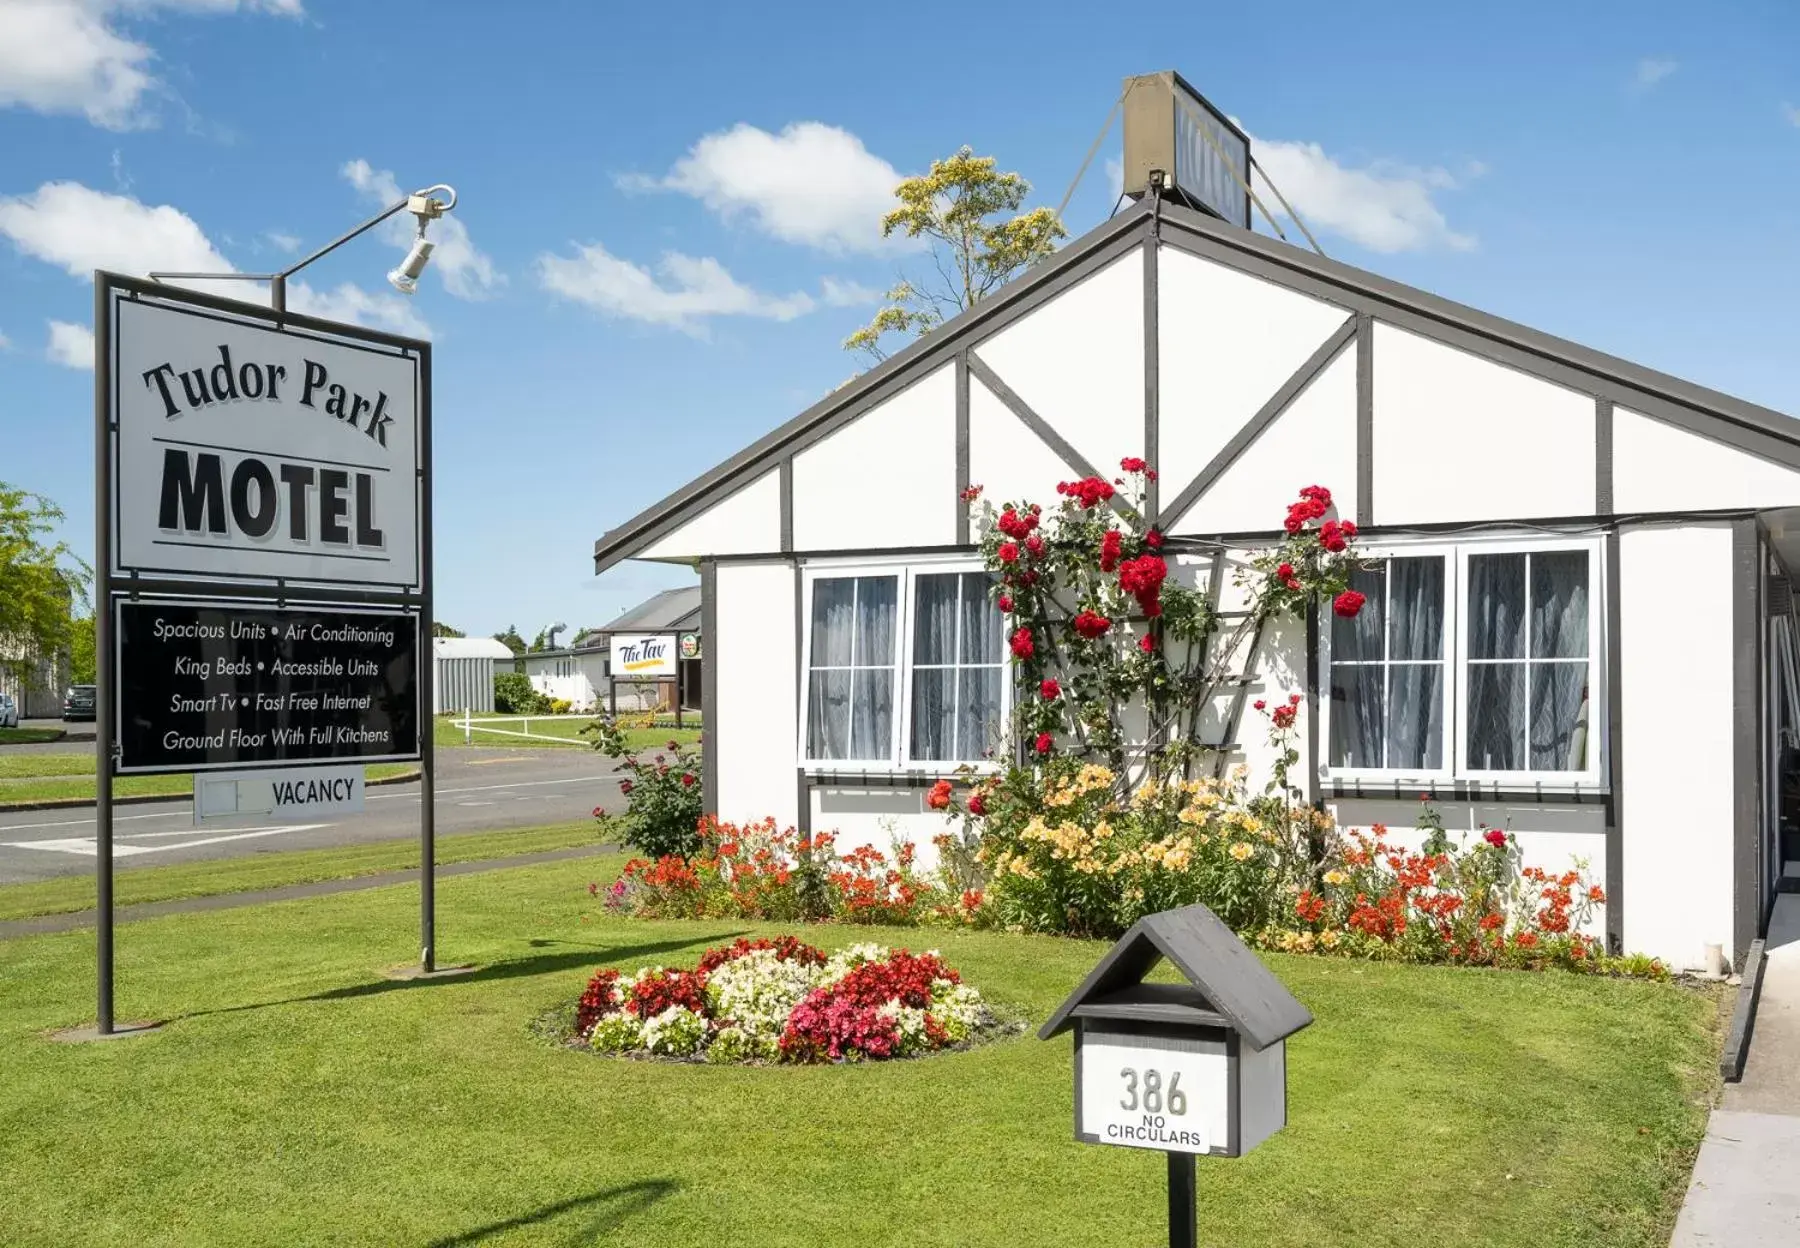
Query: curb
x,y
71,803
1743,1015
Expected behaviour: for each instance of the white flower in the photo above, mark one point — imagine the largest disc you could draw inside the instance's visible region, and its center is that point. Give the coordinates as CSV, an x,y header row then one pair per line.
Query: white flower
x,y
617,1033
677,1031
758,991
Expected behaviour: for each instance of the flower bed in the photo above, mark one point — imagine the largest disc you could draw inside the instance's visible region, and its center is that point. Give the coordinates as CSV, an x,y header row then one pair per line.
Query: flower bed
x,y
785,1001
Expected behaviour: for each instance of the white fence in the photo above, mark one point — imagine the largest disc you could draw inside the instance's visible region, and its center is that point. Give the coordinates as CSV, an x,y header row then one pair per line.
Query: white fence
x,y
470,726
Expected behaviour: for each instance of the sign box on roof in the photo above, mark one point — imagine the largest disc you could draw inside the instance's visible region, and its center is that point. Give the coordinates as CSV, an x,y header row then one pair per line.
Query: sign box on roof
x,y
246,450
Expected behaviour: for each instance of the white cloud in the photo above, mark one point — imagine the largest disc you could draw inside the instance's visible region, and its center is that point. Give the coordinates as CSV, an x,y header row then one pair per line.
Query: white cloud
x,y
682,292
72,346
287,244
5,343
812,184
1385,207
1652,70
1792,113
838,292
1115,178
79,229
69,56
467,272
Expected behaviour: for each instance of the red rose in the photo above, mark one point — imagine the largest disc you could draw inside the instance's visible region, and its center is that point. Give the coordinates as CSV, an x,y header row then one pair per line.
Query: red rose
x,y
1154,538
1132,463
1348,603
1023,647
1495,837
687,779
1293,523
1283,717
1030,577
1259,704
1006,603
1011,523
977,804
971,494
1035,545
598,812
1090,625
1285,572
1044,742
1051,690
1147,643
939,796
1348,530
625,787
674,746
1293,699
1335,544
1110,549
1008,552
1293,583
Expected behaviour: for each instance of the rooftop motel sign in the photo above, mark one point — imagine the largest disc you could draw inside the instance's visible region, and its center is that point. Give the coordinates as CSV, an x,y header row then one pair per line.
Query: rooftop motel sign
x,y
247,451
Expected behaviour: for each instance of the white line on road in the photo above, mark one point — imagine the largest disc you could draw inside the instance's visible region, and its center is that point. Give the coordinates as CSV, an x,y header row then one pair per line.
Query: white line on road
x,y
88,846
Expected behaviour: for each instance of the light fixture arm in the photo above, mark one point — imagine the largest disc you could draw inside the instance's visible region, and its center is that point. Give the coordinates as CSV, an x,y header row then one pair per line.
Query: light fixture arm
x,y
421,203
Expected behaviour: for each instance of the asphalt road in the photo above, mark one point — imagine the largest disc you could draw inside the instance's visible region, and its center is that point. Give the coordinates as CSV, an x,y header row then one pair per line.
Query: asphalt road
x,y
478,790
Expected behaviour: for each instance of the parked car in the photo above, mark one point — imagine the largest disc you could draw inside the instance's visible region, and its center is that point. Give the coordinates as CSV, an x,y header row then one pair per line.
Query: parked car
x,y
78,703
9,711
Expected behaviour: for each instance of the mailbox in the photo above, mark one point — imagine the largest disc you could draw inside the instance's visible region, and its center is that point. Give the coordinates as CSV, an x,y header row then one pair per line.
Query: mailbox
x,y
1188,1069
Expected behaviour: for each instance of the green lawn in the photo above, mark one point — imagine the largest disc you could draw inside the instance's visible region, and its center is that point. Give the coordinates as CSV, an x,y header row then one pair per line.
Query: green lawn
x,y
299,1098
563,732
70,777
134,884
29,736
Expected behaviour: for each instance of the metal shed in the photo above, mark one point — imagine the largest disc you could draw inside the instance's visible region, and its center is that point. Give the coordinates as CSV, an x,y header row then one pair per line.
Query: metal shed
x,y
464,678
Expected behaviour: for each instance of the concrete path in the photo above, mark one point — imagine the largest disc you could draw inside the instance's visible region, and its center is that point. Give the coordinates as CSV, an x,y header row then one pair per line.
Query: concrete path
x,y
1745,1192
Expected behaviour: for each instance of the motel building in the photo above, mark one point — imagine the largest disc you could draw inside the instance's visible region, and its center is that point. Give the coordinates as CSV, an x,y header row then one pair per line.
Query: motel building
x,y
1581,627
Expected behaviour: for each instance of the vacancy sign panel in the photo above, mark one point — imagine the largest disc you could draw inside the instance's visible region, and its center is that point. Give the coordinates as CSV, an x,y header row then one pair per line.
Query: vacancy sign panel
x,y
246,451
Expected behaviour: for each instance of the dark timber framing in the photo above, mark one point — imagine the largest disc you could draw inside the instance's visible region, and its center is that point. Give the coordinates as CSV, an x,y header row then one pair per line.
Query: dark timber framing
x,y
962,447
1746,737
1152,365
1030,419
1365,419
1615,751
1603,456
709,682
787,505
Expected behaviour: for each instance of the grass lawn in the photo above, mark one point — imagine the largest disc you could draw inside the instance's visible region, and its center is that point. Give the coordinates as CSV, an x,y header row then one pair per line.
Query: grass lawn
x,y
299,1098
134,884
563,732
29,736
67,777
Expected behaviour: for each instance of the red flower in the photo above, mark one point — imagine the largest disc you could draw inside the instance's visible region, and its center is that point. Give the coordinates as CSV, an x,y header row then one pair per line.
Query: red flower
x,y
939,796
1090,625
1143,575
977,804
1109,550
1023,647
1016,524
1348,603
598,812
1285,572
1331,537
1044,742
1132,463
1006,604
1035,545
687,779
1030,577
1293,583
971,494
625,787
1347,529
1495,837
1008,552
1154,538
1284,716
1090,491
1051,690
1260,705
1294,699
1147,644
1316,493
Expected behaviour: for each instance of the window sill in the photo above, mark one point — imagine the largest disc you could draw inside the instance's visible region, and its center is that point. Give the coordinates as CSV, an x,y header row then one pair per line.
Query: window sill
x,y
1560,792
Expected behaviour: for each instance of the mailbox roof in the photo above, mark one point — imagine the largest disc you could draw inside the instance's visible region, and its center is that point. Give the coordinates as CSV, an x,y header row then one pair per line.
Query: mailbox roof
x,y
1232,979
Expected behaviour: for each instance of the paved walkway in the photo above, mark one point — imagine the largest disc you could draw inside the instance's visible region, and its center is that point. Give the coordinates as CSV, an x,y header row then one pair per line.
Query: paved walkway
x,y
1745,1191
291,892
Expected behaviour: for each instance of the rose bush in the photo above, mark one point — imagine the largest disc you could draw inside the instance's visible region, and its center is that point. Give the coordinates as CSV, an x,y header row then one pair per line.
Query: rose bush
x,y
785,1001
661,787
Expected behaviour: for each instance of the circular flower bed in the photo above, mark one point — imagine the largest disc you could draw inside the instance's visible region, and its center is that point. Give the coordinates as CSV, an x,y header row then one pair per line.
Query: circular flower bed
x,y
785,1001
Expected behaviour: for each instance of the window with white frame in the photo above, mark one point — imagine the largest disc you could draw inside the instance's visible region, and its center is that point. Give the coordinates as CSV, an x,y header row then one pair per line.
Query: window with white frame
x,y
1477,661
905,667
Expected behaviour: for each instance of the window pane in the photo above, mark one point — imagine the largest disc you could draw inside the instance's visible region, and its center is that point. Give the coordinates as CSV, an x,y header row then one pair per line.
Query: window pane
x,y
1497,606
934,713
1559,716
1415,716
1497,716
832,606
934,618
977,713
872,714
1360,637
1356,716
1559,604
828,715
1416,608
981,623
876,599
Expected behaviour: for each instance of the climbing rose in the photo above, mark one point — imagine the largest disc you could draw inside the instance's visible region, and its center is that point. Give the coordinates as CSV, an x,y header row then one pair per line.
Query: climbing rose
x,y
1293,583
977,804
939,796
1017,524
1090,625
1008,552
1044,742
1147,643
1331,537
1030,577
687,779
1023,647
1285,572
1109,550
1090,491
1035,545
625,787
1495,837
1051,690
1006,603
1259,704
1154,539
1131,463
971,494
1348,603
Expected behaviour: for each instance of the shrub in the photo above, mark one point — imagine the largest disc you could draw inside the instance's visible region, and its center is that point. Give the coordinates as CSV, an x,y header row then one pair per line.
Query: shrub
x,y
513,695
662,791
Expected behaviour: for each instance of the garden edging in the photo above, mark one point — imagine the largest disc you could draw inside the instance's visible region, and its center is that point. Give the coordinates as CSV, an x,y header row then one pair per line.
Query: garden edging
x,y
1743,1015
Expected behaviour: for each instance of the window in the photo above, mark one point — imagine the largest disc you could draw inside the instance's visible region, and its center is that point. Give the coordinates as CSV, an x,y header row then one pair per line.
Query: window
x,y
1472,662
904,667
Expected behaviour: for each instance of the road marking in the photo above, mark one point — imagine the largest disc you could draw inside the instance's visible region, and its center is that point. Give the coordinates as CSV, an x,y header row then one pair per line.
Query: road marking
x,y
474,803
76,823
88,846
488,762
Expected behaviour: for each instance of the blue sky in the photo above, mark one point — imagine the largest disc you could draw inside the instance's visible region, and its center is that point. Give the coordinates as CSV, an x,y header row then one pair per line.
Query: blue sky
x,y
667,218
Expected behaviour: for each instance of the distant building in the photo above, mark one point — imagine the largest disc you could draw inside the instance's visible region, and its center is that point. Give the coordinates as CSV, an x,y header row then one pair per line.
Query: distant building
x,y
649,658
464,673
38,690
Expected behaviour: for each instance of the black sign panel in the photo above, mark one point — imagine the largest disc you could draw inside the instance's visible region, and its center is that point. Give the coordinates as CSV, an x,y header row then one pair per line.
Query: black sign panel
x,y
215,685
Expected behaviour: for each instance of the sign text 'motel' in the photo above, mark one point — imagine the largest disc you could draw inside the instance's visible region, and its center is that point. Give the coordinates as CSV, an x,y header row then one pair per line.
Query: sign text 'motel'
x,y
248,451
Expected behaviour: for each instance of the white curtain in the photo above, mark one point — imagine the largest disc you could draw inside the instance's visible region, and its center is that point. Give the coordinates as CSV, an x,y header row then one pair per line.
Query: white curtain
x,y
1387,669
850,697
1528,661
958,663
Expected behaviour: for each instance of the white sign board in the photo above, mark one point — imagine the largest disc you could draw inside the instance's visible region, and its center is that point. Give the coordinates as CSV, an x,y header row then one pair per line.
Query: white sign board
x,y
1142,1094
289,792
651,654
250,451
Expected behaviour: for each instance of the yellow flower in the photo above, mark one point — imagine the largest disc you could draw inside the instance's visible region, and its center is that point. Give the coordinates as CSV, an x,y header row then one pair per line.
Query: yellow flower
x,y
1334,878
1329,939
1240,851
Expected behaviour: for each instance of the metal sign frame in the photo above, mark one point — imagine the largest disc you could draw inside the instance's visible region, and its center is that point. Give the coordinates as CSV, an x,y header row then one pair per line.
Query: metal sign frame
x,y
112,581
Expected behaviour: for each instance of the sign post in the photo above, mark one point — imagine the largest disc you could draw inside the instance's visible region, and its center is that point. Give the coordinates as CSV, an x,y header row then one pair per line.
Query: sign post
x,y
1190,1069
263,551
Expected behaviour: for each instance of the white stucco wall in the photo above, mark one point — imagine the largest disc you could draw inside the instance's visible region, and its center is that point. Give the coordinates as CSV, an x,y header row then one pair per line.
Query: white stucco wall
x,y
747,522
1676,703
1658,467
754,730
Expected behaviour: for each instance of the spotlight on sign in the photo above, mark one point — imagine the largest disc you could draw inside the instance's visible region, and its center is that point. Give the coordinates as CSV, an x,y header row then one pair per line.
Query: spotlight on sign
x,y
422,205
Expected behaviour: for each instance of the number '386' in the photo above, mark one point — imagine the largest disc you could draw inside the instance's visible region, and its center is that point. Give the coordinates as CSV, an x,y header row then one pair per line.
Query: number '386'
x,y
1146,1091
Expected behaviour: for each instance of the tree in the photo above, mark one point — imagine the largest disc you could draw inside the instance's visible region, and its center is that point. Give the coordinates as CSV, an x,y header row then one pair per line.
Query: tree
x,y
441,629
41,583
83,667
511,640
969,213
541,642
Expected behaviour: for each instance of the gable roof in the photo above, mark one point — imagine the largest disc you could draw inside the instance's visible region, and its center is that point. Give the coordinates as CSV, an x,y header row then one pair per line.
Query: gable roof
x,y
1711,413
670,610
1231,981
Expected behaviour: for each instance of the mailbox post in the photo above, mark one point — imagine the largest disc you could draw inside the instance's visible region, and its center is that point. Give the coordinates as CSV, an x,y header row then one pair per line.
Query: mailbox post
x,y
1188,1069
